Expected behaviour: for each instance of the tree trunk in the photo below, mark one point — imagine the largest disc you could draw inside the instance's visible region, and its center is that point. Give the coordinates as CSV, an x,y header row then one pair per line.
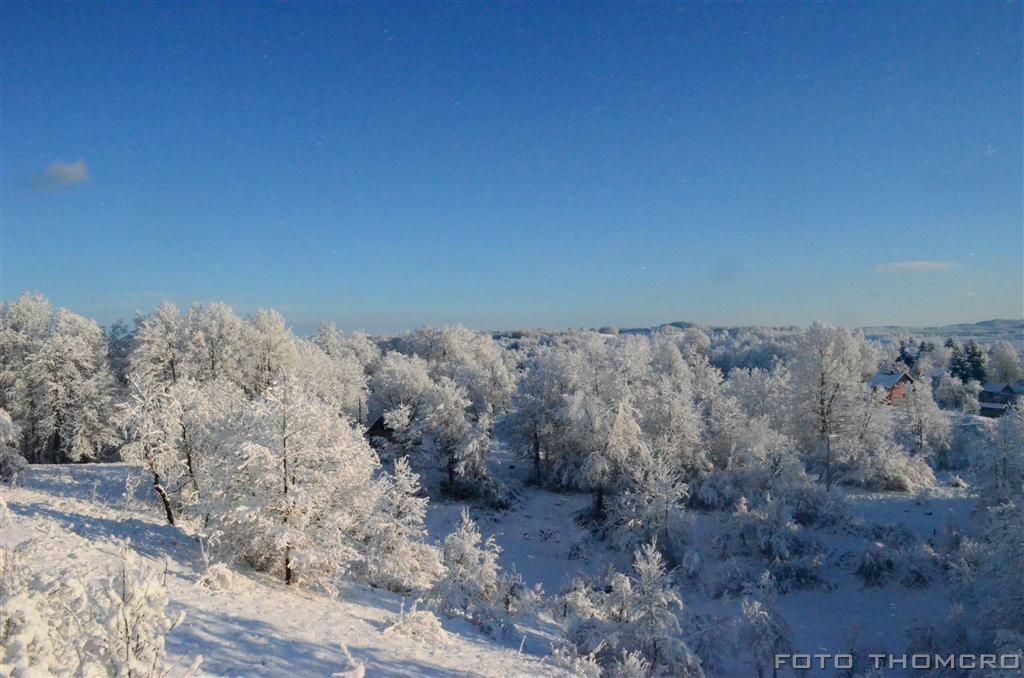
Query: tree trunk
x,y
158,486
599,504
536,459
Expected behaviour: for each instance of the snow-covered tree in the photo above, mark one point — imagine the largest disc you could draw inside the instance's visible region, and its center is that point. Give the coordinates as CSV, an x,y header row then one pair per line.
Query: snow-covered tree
x,y
760,392
295,488
150,418
648,505
828,385
470,583
532,425
672,422
397,555
399,381
654,611
472,360
269,349
159,348
765,634
926,426
617,442
636,613
212,343
1004,363
336,379
24,325
954,394
461,445
358,347
11,462
999,466
66,393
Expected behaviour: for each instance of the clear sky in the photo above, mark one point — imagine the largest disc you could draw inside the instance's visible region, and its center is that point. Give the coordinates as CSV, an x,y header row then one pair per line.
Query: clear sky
x,y
517,165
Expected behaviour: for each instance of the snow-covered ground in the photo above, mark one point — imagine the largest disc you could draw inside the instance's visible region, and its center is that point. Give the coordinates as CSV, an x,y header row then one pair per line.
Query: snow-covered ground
x,y
262,627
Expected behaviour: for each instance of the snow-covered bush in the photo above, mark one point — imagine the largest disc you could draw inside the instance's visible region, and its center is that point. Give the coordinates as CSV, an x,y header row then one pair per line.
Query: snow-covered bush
x,y
218,577
565,655
397,555
420,625
112,625
515,596
770,537
876,567
649,507
765,634
635,613
471,580
883,466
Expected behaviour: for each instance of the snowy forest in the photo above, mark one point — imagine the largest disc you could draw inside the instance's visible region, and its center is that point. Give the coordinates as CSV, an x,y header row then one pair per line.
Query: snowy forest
x,y
683,501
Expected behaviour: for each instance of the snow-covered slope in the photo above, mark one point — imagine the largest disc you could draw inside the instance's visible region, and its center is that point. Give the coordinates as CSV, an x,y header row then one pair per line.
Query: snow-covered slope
x,y
260,627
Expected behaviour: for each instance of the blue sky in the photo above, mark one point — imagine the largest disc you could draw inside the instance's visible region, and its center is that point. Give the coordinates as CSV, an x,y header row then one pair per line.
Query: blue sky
x,y
517,165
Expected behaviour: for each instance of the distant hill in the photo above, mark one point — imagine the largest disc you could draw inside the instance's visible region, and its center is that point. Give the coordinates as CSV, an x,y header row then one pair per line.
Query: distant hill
x,y
986,331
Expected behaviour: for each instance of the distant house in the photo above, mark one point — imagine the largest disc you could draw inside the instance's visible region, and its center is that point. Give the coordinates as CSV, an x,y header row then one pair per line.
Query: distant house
x,y
379,432
995,398
893,383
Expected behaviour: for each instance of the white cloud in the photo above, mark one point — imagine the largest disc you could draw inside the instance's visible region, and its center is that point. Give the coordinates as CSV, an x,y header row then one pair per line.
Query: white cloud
x,y
917,267
60,173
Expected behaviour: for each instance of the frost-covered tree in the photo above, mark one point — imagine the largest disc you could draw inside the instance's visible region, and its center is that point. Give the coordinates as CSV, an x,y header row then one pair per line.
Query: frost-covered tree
x,y
336,379
868,454
66,392
760,392
954,394
655,621
632,613
270,349
295,487
532,426
24,326
11,462
397,555
765,634
212,343
829,373
999,465
350,358
925,425
615,445
149,419
672,422
399,381
648,505
159,348
461,445
472,360
1004,363
471,579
